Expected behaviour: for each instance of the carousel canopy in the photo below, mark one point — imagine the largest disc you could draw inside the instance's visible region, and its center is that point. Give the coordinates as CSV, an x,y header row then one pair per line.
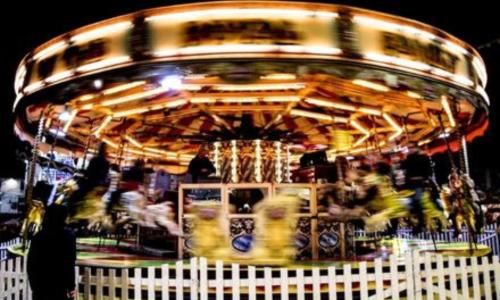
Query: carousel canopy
x,y
159,83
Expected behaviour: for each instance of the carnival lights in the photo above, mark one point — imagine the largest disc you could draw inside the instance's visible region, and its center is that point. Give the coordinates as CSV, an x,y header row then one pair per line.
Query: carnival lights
x,y
258,161
234,162
278,171
447,109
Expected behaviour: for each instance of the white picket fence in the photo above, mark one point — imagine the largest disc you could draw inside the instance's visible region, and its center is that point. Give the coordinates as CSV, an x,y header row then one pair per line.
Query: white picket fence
x,y
5,246
415,277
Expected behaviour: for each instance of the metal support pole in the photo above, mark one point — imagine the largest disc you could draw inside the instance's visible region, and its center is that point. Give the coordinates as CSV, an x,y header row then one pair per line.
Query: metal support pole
x,y
465,155
34,159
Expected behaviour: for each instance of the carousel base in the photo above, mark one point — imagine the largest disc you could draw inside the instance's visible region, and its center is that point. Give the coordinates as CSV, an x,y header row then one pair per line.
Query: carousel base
x,y
106,253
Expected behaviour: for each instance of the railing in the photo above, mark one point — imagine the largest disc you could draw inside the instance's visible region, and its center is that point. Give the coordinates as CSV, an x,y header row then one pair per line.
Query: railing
x,y
489,236
414,277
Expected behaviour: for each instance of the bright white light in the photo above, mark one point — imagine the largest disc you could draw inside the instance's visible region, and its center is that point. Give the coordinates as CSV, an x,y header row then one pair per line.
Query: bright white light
x,y
56,132
64,116
171,82
98,84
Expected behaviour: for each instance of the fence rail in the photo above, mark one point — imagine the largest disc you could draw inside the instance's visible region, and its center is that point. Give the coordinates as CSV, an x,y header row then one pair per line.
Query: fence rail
x,y
416,277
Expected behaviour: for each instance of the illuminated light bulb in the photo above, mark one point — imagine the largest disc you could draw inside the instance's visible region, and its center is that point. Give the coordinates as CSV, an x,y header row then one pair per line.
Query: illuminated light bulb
x,y
103,125
258,87
234,162
370,111
171,82
98,83
101,31
278,172
86,97
398,61
371,85
69,120
258,161
281,99
288,165
447,109
124,113
170,104
64,116
133,97
217,158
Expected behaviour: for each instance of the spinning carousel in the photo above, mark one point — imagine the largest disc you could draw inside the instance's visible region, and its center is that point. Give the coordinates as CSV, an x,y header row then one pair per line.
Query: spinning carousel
x,y
258,84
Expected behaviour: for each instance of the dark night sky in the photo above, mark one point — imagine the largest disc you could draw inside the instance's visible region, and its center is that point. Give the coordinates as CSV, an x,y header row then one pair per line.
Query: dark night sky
x,y
26,24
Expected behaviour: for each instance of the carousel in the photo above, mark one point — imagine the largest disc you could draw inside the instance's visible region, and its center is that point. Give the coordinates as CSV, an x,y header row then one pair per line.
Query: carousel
x,y
277,94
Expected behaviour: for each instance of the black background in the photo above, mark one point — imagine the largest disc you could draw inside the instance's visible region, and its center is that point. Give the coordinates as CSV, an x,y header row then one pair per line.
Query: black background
x,y
27,24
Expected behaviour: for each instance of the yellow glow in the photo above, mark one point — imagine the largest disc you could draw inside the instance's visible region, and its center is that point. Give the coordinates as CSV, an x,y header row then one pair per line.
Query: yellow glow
x,y
371,85
171,104
50,50
281,99
201,100
424,142
86,97
70,120
59,76
109,142
397,61
258,87
392,122
370,111
100,32
359,127
103,63
123,87
240,100
447,109
360,141
239,12
169,154
413,95
395,135
103,125
133,141
331,104
279,76
309,114
134,97
393,27
128,112
33,87
480,69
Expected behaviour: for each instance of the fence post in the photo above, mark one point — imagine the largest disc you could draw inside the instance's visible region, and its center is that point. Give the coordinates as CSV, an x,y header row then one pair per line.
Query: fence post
x,y
112,284
235,281
440,275
475,278
86,284
219,280
347,282
300,284
252,291
485,266
151,283
179,280
332,284
394,276
99,281
363,281
379,280
124,284
268,283
409,273
203,279
453,277
284,283
137,283
429,293
316,284
464,279
165,282
194,278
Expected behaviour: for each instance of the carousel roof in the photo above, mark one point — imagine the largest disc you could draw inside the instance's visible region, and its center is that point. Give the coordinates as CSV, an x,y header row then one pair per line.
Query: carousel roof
x,y
160,82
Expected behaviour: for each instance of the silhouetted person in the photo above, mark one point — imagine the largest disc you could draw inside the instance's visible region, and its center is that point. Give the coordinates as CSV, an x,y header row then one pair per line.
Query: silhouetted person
x,y
200,166
418,171
95,175
51,258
